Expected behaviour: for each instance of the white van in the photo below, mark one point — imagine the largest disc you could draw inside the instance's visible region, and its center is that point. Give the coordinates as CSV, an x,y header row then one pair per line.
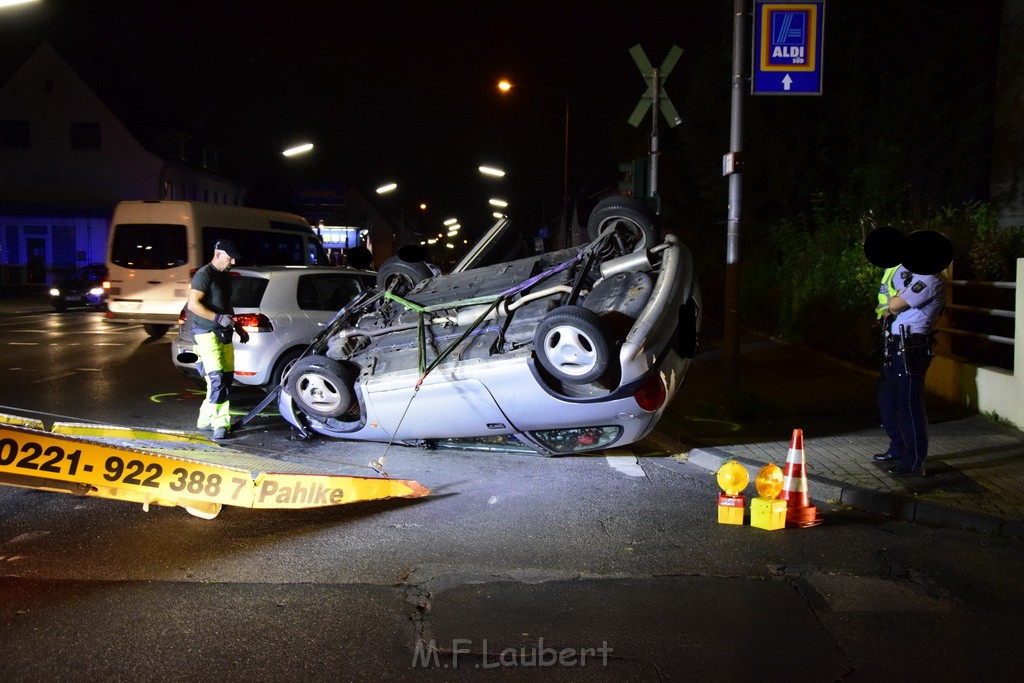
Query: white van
x,y
155,247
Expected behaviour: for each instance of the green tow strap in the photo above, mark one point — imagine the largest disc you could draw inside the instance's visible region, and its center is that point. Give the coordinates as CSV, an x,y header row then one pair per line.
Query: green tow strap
x,y
421,328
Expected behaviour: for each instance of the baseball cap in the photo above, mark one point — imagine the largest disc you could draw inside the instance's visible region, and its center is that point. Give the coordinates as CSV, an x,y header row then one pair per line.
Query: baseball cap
x,y
229,248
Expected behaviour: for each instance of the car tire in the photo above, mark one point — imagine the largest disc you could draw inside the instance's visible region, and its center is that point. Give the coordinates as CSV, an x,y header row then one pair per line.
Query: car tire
x,y
155,331
282,367
400,275
322,386
573,344
633,221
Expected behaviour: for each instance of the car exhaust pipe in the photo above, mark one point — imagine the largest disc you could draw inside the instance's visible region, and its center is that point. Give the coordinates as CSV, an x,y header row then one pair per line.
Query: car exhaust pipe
x,y
637,261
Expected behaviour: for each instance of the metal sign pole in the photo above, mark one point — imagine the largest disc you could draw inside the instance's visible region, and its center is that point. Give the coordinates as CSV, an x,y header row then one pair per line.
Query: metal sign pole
x,y
732,168
655,95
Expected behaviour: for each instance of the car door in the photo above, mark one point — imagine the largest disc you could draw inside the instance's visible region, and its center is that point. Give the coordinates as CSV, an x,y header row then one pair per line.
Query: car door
x,y
321,295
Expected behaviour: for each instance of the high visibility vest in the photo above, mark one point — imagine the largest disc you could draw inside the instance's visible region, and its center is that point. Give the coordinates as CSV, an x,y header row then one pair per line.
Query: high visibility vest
x,y
886,291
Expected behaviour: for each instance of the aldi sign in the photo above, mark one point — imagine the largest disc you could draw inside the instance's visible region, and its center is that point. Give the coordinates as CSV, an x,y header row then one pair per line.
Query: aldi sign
x,y
787,48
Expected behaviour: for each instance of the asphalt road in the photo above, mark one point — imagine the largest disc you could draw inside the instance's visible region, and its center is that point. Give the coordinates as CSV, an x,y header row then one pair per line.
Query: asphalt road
x,y
599,567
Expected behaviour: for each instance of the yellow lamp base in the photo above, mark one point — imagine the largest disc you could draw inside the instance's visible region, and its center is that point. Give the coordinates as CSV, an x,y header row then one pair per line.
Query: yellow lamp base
x,y
767,514
730,509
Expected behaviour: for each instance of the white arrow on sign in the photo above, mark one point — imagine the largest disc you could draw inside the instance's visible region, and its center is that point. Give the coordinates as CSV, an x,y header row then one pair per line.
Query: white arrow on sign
x,y
786,82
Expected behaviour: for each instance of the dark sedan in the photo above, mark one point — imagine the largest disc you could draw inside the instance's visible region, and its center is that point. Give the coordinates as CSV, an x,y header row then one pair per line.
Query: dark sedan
x,y
84,289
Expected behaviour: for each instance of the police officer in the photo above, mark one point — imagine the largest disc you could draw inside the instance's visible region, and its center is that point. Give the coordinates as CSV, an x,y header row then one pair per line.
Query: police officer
x,y
210,313
908,320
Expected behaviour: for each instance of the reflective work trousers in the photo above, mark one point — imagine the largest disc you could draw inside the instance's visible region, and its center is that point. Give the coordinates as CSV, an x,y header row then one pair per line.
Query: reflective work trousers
x,y
901,406
218,360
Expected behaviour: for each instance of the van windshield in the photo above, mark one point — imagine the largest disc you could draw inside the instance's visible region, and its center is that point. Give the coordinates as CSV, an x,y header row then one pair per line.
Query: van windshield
x,y
150,246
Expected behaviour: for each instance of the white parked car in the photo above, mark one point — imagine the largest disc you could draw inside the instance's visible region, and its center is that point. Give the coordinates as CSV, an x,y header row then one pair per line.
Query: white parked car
x,y
570,351
282,308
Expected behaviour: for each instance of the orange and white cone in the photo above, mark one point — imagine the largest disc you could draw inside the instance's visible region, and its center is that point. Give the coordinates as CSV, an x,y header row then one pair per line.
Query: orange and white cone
x,y
799,511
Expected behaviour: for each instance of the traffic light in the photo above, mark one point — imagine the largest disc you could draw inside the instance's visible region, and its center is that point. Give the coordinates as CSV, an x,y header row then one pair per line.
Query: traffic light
x,y
641,177
626,186
634,180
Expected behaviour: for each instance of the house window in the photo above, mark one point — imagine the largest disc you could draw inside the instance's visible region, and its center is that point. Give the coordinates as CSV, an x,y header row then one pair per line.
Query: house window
x,y
15,134
85,135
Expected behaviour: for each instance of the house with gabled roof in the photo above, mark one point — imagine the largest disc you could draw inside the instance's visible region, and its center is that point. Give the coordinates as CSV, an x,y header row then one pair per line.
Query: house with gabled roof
x,y
73,143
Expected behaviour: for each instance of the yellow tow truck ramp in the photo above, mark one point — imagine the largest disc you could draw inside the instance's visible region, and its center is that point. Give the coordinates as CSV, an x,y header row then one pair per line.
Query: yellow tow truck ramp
x,y
155,467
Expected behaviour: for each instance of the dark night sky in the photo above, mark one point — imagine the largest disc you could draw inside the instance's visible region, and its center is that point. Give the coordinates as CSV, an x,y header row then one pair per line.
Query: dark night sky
x,y
398,90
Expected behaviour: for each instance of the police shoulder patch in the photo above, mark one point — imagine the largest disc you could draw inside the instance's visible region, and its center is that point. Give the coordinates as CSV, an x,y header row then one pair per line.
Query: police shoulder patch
x,y
918,287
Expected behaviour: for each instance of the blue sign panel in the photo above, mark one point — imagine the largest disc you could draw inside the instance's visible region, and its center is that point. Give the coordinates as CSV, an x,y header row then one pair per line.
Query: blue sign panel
x,y
787,48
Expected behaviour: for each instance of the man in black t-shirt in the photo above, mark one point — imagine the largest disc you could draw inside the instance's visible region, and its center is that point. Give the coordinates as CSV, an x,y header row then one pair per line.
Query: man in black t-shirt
x,y
209,306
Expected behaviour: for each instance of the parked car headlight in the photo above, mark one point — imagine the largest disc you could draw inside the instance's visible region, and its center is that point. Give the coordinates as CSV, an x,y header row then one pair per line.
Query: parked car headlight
x,y
54,292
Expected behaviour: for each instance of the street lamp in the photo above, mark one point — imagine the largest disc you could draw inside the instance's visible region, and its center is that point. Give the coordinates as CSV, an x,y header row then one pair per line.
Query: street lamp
x,y
491,171
298,149
505,86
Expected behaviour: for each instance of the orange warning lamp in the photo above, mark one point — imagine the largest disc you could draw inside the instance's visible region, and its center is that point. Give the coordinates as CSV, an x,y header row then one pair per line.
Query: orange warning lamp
x,y
769,481
765,511
732,478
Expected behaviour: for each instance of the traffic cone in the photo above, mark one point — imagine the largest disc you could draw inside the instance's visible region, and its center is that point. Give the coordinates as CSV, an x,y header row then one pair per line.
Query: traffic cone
x,y
799,511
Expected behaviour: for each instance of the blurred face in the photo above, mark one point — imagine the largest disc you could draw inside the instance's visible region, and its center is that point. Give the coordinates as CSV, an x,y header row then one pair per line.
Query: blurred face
x,y
221,260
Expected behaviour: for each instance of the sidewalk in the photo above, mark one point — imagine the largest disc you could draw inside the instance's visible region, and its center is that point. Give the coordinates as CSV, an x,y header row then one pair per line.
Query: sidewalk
x,y
975,465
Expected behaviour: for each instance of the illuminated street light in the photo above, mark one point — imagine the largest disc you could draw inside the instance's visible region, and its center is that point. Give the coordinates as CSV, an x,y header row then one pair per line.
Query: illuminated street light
x,y
490,170
298,149
390,187
497,202
451,221
8,3
505,87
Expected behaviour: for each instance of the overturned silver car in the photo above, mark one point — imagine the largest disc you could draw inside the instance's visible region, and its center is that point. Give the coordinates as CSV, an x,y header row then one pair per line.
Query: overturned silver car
x,y
564,352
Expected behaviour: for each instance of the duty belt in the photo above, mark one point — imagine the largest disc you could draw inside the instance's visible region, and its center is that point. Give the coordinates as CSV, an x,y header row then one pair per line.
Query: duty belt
x,y
896,343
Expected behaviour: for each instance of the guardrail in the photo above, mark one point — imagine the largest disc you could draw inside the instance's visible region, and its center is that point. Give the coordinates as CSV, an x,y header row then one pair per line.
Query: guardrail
x,y
978,310
980,356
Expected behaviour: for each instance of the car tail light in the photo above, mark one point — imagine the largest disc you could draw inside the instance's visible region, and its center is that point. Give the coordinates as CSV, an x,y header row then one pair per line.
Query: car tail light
x,y
651,394
574,439
254,322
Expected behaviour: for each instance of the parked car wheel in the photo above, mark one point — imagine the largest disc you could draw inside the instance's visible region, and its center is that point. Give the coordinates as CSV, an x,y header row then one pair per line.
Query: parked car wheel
x,y
156,331
400,275
282,367
574,345
322,386
631,220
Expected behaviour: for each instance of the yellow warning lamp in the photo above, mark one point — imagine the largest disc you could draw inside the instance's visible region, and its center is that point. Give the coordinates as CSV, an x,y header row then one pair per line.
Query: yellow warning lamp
x,y
769,481
732,478
765,511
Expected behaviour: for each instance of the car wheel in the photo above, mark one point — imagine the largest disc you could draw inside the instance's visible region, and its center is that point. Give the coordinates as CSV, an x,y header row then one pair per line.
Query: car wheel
x,y
400,275
155,331
631,220
322,386
282,367
573,344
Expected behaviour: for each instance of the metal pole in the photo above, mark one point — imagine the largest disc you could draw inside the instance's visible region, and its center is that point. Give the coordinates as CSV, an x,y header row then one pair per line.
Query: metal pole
x,y
566,228
655,94
732,242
